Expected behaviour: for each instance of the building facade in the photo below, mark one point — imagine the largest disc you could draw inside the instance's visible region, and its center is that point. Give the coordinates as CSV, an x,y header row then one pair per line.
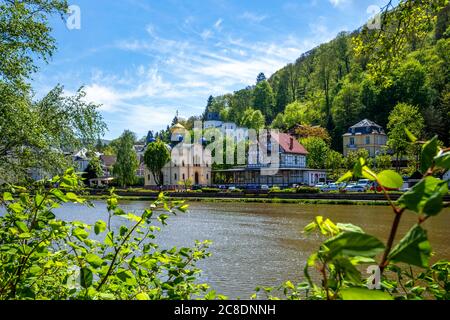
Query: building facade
x,y
365,135
228,129
190,162
290,167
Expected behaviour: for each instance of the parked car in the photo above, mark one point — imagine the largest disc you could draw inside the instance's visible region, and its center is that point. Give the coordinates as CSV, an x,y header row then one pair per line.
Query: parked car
x,y
330,187
376,187
320,185
232,188
265,187
355,188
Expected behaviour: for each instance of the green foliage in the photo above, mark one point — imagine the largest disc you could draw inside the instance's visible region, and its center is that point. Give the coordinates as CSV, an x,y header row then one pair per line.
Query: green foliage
x,y
347,247
94,170
404,117
307,190
253,119
156,156
25,34
211,190
426,197
264,99
318,151
383,162
364,294
297,113
403,28
413,249
44,257
127,162
347,106
36,134
390,179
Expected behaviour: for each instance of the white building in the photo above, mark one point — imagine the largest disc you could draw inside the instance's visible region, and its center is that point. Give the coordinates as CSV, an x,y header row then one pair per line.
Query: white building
x,y
190,162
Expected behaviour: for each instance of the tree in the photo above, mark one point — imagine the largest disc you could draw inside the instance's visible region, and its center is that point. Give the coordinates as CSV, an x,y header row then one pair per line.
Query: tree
x,y
156,157
240,101
186,184
404,116
324,76
347,110
264,100
283,97
37,134
334,162
402,29
278,122
318,150
25,36
354,156
94,169
260,78
253,119
306,131
301,113
383,162
127,162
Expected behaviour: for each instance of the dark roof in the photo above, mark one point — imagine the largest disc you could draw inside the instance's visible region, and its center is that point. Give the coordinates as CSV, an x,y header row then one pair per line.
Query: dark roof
x,y
213,116
365,123
290,144
416,176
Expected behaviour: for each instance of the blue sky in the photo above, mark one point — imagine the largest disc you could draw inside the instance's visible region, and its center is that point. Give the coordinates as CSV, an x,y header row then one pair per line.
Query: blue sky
x,y
145,59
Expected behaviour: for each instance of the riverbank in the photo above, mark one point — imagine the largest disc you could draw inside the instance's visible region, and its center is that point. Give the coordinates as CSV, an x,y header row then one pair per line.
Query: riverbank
x,y
254,200
261,197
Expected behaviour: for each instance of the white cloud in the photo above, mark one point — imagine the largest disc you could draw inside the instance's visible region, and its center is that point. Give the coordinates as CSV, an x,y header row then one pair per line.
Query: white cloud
x,y
206,34
182,72
253,17
339,3
218,25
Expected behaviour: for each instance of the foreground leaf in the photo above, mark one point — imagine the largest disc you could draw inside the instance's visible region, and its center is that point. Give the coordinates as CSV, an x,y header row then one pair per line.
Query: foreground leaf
x,y
353,244
364,294
390,179
413,249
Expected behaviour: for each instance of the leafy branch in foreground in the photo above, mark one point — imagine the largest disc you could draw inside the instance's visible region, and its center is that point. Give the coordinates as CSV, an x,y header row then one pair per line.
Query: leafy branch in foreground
x,y
44,257
340,258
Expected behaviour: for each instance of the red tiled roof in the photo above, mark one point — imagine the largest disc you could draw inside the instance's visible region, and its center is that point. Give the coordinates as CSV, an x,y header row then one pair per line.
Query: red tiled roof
x,y
286,143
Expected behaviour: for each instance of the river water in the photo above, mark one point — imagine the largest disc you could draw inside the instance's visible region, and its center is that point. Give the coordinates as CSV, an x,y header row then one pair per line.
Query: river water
x,y
262,244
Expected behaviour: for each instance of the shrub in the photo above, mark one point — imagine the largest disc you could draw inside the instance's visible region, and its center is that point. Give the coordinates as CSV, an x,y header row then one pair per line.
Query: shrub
x,y
308,190
333,272
278,190
211,190
43,257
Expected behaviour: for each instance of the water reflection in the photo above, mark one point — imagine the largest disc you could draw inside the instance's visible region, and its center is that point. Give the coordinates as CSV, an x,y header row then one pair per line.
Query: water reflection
x,y
262,244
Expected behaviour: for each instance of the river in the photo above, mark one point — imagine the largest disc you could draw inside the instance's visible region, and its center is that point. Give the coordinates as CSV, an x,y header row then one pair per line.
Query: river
x,y
262,244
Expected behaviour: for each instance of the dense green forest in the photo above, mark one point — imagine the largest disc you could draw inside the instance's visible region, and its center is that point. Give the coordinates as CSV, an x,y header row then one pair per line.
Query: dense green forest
x,y
335,85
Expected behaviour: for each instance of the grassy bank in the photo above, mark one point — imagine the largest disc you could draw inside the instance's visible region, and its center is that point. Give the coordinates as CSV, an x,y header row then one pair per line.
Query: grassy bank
x,y
256,200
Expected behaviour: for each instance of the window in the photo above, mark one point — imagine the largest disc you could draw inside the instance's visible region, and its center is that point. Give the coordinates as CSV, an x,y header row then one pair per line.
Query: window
x,y
184,177
176,177
148,177
368,140
352,141
207,176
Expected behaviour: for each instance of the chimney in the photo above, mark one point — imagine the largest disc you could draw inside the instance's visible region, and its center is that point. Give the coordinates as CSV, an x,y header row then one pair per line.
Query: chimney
x,y
291,146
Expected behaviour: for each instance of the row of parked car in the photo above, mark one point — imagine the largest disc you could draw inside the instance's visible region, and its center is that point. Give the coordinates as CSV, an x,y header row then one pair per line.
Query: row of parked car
x,y
363,185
